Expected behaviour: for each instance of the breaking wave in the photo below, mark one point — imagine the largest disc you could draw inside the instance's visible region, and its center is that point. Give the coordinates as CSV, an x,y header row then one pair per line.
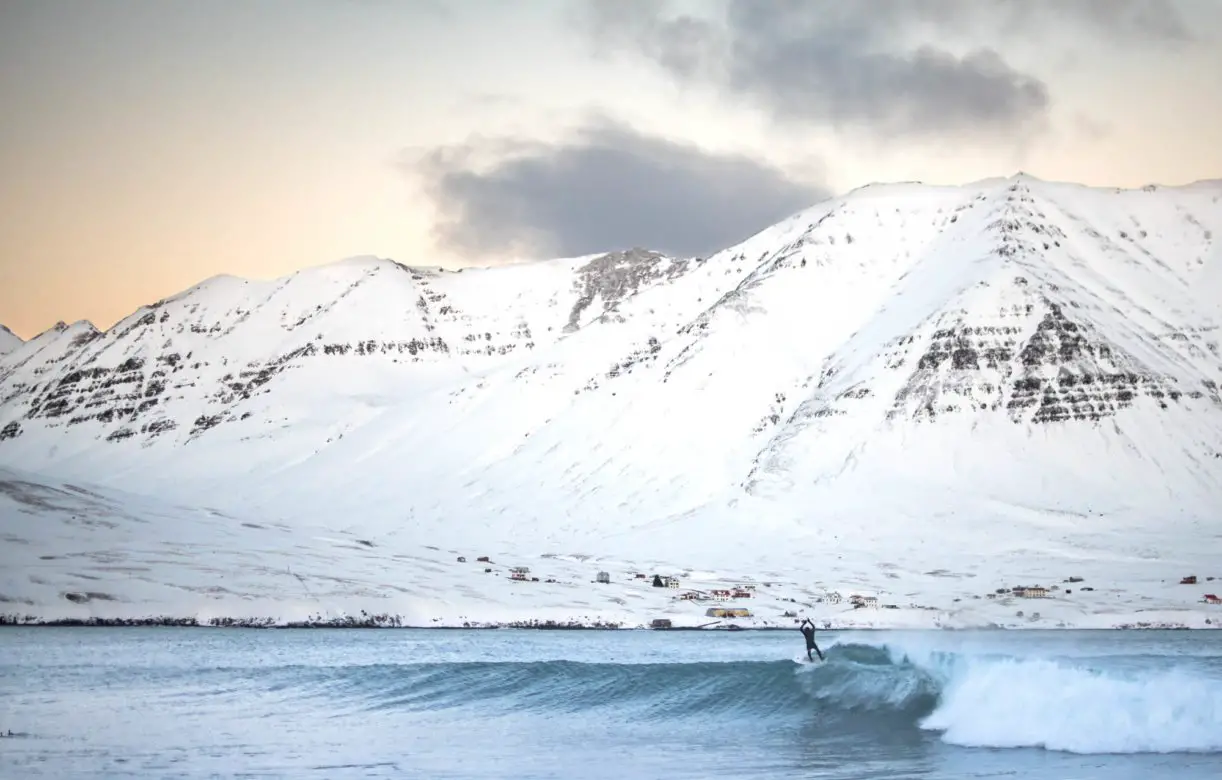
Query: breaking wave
x,y
1090,704
1099,704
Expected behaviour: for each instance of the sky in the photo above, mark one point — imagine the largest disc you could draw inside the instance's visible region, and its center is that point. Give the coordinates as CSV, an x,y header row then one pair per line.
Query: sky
x,y
147,145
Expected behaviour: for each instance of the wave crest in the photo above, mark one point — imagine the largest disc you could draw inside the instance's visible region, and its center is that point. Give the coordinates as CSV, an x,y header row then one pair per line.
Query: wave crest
x,y
1083,705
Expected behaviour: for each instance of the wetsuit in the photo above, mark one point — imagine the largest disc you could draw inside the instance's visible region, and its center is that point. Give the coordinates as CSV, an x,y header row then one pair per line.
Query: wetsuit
x,y
808,630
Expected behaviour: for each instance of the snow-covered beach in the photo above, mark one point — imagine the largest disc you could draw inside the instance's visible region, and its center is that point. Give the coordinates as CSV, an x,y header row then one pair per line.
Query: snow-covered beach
x,y
76,555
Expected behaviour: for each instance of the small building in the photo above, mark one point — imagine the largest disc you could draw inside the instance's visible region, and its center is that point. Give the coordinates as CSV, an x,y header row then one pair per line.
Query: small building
x,y
670,582
519,573
740,593
719,593
1211,599
660,623
834,597
727,612
1189,580
604,578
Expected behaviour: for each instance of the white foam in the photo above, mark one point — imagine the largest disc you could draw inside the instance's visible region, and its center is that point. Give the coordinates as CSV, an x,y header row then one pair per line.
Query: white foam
x,y
1060,696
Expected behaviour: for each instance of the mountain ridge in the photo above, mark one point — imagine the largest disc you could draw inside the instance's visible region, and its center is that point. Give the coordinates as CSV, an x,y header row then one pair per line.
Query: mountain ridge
x,y
255,324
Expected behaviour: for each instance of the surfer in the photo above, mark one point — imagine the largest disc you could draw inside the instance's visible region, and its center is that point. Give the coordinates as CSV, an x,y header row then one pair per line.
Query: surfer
x,y
808,630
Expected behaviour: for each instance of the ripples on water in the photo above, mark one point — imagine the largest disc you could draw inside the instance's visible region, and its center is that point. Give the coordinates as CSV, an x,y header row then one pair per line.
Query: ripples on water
x,y
162,703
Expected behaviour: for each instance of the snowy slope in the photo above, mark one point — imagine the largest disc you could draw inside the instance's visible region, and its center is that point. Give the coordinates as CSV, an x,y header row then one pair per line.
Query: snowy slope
x,y
1011,378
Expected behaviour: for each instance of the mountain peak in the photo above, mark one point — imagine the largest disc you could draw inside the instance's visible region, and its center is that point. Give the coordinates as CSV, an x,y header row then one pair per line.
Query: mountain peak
x,y
9,340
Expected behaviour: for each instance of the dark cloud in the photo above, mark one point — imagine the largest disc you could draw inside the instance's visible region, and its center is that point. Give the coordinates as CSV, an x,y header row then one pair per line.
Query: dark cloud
x,y
606,188
834,63
836,68
861,65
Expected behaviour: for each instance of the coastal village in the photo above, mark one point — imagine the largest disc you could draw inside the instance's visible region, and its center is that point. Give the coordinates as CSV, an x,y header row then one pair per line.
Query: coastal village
x,y
478,590
685,600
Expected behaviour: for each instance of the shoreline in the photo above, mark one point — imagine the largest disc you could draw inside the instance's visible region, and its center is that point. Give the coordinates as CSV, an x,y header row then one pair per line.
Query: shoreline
x,y
264,625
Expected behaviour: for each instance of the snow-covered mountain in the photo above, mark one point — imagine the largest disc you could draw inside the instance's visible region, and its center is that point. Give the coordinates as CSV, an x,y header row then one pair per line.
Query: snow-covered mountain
x,y
1000,374
8,340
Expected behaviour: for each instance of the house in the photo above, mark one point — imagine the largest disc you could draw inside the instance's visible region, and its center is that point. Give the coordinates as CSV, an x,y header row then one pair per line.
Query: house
x,y
691,595
1189,580
1211,599
604,578
720,593
834,597
519,573
1033,592
660,623
863,601
740,593
670,582
727,612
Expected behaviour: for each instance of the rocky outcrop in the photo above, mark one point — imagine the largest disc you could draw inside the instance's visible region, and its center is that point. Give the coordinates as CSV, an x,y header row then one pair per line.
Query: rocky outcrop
x,y
616,276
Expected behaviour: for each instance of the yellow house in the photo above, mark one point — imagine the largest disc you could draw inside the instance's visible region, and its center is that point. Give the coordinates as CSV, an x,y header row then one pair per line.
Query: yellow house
x,y
727,612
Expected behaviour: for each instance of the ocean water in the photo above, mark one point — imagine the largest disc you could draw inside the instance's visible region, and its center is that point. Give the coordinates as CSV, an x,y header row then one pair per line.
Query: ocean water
x,y
196,703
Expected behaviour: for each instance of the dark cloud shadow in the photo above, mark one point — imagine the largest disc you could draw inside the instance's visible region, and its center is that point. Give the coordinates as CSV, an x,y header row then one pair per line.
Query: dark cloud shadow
x,y
607,187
